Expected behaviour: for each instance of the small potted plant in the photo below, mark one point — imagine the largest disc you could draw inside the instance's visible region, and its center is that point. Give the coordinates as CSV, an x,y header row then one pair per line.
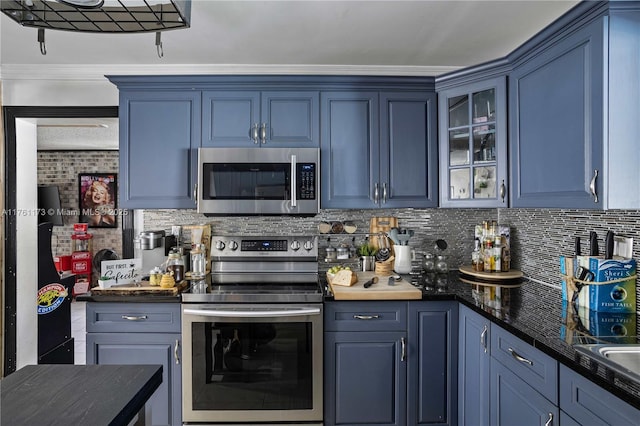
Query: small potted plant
x,y
367,254
106,282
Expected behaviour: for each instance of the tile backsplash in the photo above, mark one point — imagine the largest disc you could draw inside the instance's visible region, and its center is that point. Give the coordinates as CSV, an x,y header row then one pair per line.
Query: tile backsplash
x,y
538,236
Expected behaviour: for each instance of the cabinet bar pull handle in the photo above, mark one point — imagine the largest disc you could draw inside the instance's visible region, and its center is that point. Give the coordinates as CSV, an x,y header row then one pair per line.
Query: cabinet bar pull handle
x,y
592,186
550,421
384,193
253,133
503,190
483,338
520,358
263,133
403,343
376,193
134,318
366,317
175,351
294,177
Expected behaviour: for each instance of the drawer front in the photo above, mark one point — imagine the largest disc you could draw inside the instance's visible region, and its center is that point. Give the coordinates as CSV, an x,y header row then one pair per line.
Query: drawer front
x,y
588,403
530,364
133,317
365,316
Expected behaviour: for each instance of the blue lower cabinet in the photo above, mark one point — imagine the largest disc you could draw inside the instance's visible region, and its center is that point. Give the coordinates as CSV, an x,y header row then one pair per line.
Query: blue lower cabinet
x,y
164,407
474,361
393,366
514,402
141,333
567,420
432,360
589,404
365,378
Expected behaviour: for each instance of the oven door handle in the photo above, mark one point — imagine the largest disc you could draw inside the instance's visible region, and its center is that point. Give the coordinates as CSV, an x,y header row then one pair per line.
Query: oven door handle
x,y
265,313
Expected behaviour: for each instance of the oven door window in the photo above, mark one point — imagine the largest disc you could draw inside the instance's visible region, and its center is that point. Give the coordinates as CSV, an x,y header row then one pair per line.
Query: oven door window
x,y
246,181
252,366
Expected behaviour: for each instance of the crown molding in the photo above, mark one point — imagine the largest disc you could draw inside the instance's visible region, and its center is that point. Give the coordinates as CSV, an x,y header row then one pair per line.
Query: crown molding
x,y
97,72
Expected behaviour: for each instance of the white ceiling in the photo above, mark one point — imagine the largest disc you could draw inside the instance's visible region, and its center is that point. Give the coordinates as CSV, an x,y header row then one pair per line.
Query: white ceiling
x,y
403,37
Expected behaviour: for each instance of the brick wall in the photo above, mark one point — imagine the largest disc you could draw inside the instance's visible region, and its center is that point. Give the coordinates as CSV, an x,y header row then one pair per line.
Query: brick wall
x,y
62,168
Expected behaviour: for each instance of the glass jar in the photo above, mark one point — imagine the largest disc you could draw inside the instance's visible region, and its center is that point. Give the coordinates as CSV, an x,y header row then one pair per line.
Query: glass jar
x,y
429,263
175,264
331,254
441,264
198,265
342,253
154,276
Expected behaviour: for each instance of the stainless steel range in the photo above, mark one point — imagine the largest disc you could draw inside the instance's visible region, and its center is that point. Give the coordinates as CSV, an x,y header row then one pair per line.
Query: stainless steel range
x,y
252,342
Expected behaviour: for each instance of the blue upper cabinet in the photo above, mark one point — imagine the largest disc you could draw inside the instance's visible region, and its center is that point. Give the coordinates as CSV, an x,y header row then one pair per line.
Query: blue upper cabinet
x,y
378,149
243,118
408,167
574,114
349,154
159,137
557,123
473,144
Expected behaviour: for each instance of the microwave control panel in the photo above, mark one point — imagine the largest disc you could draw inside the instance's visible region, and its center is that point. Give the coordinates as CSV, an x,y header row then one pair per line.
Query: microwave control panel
x,y
306,181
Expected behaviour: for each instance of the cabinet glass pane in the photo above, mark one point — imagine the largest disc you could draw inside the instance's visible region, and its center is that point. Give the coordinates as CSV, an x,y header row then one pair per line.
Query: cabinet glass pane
x,y
459,111
484,106
458,147
459,183
484,182
484,143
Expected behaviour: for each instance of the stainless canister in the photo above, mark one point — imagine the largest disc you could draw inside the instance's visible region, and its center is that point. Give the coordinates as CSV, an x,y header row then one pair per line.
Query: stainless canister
x,y
150,240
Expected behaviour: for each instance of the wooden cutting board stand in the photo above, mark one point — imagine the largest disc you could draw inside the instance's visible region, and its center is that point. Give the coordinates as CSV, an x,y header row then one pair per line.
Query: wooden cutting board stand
x,y
379,225
402,290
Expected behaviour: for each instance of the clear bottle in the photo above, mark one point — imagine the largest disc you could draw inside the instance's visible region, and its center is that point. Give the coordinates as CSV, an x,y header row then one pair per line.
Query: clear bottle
x,y
175,264
476,263
198,265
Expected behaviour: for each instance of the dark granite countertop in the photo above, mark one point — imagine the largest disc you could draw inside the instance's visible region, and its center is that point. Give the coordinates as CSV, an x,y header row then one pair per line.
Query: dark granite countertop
x,y
533,312
553,328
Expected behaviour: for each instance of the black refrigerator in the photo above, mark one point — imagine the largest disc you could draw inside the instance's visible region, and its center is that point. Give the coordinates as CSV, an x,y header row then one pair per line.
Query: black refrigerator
x,y
55,344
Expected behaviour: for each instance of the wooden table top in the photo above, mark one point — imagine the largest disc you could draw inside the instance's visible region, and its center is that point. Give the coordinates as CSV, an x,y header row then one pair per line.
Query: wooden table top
x,y
77,394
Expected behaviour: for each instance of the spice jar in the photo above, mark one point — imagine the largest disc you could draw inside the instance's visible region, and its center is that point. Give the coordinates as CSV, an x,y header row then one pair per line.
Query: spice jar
x,y
441,264
331,254
429,263
155,275
342,253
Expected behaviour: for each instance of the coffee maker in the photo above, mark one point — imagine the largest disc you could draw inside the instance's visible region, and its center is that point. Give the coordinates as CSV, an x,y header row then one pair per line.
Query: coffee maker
x,y
153,247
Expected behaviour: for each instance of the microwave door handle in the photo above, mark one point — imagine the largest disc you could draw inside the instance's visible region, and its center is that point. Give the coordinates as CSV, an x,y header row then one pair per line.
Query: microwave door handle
x,y
294,180
266,313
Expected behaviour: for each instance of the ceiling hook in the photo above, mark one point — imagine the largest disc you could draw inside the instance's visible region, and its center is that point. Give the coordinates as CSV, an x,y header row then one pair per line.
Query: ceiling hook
x,y
43,46
159,45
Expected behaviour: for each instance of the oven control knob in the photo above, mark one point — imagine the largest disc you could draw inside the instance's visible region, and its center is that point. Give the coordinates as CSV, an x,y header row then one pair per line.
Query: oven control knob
x,y
219,245
295,245
308,245
233,245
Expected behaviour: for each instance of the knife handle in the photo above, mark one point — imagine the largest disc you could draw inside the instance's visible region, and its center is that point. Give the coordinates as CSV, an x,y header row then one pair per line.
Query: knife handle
x,y
578,249
593,244
608,253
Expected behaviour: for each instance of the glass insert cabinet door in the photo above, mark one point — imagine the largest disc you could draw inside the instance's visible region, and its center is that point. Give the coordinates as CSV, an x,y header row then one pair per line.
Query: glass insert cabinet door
x,y
473,145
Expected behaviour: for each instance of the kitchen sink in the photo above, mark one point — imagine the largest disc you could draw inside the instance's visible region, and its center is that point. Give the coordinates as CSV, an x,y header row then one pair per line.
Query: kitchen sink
x,y
622,358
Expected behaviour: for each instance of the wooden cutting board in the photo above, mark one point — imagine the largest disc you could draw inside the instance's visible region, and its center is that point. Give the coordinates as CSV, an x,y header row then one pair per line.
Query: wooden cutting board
x,y
402,290
143,289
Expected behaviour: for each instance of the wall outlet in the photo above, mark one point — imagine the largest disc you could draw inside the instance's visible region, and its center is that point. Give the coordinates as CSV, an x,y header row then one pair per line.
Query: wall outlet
x,y
623,246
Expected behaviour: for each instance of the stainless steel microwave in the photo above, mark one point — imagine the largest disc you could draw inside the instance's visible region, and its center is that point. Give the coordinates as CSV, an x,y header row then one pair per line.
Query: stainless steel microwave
x,y
258,181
